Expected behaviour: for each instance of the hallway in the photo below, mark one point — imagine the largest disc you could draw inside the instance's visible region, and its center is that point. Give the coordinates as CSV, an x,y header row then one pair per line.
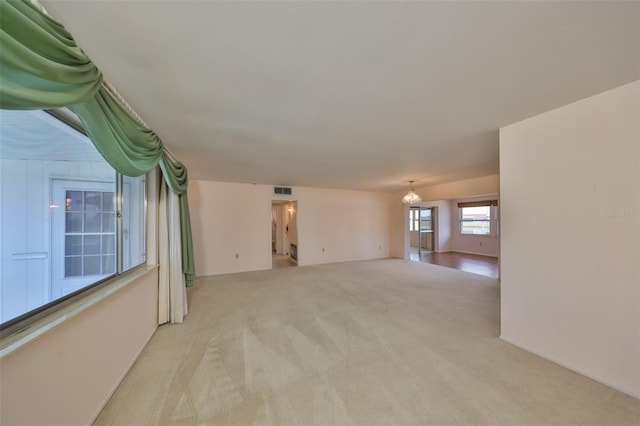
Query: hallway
x,y
281,261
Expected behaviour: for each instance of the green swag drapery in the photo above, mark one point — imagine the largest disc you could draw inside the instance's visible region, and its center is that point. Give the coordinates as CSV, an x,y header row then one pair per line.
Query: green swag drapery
x,y
132,149
127,145
42,67
176,177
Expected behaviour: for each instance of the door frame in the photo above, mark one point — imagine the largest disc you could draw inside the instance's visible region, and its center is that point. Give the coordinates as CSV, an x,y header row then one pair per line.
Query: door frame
x,y
283,202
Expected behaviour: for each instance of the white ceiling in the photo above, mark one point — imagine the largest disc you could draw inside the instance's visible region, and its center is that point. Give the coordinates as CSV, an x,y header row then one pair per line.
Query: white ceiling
x,y
36,135
362,95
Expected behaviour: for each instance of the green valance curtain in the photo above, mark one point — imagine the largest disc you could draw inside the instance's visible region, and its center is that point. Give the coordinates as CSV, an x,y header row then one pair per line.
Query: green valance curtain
x,y
42,67
127,145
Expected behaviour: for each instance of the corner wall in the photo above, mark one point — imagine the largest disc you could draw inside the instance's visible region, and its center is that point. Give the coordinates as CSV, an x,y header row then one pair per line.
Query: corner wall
x,y
570,234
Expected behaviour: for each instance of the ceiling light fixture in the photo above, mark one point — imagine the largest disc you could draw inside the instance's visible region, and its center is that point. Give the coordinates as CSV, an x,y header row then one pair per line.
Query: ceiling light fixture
x,y
411,197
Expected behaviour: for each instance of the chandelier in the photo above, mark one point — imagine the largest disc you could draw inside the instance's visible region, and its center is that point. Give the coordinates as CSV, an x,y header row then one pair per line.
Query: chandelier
x,y
411,197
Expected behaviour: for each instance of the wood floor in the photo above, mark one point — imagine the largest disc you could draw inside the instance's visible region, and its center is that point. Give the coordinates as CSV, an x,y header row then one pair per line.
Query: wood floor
x,y
481,265
476,264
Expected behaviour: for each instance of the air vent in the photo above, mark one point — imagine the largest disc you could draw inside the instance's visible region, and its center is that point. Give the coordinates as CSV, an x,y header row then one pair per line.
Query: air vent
x,y
282,190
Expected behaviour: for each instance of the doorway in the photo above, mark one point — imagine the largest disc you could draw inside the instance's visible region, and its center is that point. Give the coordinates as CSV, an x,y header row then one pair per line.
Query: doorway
x,y
284,233
422,230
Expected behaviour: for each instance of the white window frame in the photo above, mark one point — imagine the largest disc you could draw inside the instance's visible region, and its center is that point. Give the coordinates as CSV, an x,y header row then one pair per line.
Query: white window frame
x,y
461,221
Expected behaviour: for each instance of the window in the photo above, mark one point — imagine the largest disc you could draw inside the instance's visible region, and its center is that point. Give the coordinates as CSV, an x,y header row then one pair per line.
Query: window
x,y
476,217
414,219
426,219
68,221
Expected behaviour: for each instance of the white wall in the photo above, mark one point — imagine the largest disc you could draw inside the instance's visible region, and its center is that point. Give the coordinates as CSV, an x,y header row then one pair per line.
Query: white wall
x,y
230,218
485,185
281,236
347,225
291,229
67,375
571,236
399,228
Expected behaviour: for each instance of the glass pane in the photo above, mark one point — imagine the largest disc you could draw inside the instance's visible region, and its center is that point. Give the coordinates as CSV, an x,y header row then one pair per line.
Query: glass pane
x,y
91,265
92,244
73,266
426,223
108,264
108,244
92,222
74,201
92,201
108,202
133,222
476,213
73,222
73,245
476,227
108,222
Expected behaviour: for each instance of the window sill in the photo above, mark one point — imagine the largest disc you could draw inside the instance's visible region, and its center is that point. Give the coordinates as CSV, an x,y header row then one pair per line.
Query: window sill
x,y
13,342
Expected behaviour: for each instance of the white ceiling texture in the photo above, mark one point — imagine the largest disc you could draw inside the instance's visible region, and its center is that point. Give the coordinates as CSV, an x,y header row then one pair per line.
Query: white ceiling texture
x,y
360,95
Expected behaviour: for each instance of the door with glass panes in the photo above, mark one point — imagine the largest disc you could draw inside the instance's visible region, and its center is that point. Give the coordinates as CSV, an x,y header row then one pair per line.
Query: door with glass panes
x,y
83,234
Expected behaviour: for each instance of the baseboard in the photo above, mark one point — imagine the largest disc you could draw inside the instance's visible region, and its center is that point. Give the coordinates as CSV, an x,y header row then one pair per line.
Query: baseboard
x,y
569,367
122,376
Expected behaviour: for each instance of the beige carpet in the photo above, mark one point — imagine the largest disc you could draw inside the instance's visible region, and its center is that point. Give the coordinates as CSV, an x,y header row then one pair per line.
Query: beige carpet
x,y
386,342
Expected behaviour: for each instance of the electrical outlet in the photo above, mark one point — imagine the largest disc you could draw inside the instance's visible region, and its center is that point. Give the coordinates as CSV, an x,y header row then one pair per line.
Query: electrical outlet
x,y
237,255
323,249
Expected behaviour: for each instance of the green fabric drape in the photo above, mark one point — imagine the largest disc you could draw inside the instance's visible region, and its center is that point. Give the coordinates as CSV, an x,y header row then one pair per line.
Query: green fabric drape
x,y
188,265
133,150
175,174
41,67
40,64
127,145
